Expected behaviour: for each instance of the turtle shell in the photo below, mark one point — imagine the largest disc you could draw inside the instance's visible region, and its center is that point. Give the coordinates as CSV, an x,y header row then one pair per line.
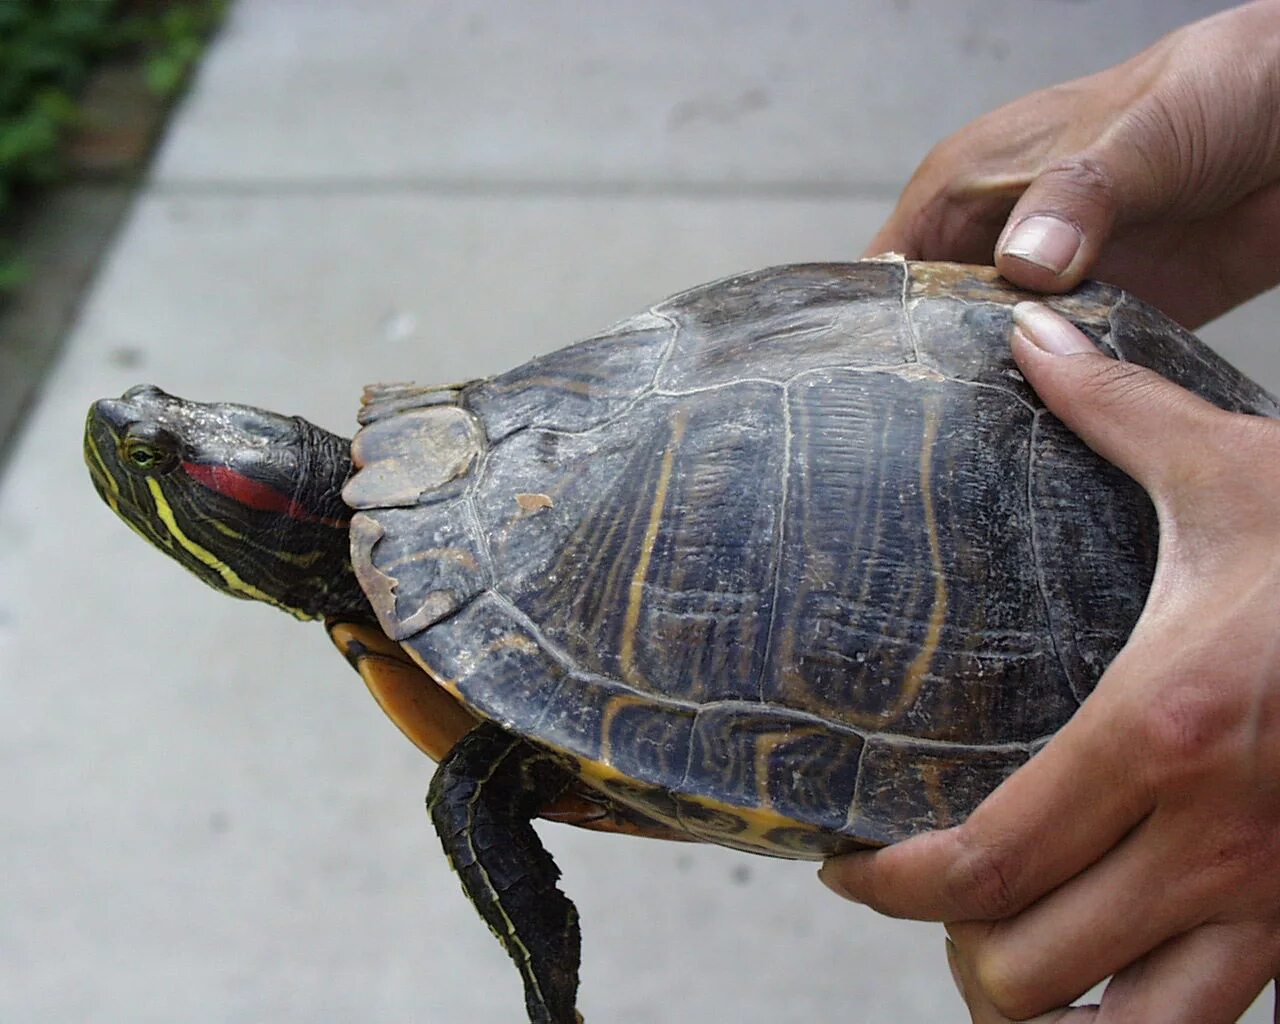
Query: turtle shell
x,y
792,562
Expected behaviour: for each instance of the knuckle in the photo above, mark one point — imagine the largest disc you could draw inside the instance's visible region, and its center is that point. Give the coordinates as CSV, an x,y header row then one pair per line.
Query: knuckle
x,y
1011,988
951,224
1084,178
952,154
1185,729
984,883
1120,385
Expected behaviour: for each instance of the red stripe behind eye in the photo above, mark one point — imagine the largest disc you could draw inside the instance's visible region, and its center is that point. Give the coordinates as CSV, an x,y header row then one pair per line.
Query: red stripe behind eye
x,y
253,494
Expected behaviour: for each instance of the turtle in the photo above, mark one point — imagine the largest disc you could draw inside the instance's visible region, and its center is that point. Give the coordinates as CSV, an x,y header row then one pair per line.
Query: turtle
x,y
794,562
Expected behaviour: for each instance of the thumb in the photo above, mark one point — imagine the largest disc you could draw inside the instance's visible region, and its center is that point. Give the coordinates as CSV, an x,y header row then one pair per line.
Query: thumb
x,y
1146,425
1059,226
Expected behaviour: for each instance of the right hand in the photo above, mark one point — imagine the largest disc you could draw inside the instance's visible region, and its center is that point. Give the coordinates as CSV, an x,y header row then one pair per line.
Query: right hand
x,y
1160,175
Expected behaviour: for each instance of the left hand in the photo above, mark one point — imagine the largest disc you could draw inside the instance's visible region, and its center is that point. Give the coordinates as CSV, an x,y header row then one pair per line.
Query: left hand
x,y
1143,842
1160,175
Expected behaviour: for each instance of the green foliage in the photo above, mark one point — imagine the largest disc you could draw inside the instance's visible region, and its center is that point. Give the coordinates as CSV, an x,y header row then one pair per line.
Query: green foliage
x,y
47,51
172,37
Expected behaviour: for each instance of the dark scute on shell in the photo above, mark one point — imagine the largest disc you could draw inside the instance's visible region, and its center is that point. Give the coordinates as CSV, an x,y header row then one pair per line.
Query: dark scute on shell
x,y
905,788
577,387
1095,571
746,755
1143,335
772,326
903,494
713,462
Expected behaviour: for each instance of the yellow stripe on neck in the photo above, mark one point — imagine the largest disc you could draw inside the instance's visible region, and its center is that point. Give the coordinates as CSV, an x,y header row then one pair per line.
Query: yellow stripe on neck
x,y
233,582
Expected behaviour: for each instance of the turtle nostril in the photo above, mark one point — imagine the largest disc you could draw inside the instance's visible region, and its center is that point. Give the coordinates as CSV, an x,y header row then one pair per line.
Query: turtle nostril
x,y
142,391
114,412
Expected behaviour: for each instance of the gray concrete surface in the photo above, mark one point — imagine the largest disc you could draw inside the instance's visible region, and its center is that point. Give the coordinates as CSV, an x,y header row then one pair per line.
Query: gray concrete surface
x,y
205,818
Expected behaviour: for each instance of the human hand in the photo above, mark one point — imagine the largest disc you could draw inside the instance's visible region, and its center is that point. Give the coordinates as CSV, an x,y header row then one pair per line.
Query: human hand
x,y
1160,175
1143,841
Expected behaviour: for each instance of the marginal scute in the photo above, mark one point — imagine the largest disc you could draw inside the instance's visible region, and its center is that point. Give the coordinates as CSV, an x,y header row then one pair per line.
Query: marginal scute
x,y
413,457
416,566
905,787
1140,334
382,400
493,663
951,306
744,755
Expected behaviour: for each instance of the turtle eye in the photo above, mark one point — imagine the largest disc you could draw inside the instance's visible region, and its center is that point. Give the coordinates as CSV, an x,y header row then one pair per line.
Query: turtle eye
x,y
149,450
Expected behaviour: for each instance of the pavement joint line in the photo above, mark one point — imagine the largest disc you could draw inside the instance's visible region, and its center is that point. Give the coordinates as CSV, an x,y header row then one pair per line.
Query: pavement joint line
x,y
524,189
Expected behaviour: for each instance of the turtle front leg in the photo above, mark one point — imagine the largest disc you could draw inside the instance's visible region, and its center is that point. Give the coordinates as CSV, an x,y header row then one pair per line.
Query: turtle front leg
x,y
482,800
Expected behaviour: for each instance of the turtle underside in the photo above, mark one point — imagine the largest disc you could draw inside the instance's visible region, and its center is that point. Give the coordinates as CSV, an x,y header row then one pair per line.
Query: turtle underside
x,y
791,562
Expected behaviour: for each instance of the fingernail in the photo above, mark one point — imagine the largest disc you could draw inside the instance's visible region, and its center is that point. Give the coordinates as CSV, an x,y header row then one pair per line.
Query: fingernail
x,y
827,876
1048,331
1047,241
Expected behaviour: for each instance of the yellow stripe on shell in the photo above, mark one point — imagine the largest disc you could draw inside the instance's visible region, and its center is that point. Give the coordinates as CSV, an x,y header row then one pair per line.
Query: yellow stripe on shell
x,y
914,679
757,822
636,590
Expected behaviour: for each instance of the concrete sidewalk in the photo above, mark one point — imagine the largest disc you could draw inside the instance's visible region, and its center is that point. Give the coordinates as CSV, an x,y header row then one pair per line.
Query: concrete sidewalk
x,y
206,818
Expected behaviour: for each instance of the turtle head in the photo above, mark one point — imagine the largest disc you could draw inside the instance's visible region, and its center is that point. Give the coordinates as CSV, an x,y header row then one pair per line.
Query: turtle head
x,y
249,501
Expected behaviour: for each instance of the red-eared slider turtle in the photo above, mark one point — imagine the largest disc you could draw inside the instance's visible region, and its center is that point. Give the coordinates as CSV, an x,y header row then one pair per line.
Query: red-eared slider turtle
x,y
793,562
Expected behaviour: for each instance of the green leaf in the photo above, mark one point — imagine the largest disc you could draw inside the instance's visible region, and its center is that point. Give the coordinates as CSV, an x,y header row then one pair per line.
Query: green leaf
x,y
165,74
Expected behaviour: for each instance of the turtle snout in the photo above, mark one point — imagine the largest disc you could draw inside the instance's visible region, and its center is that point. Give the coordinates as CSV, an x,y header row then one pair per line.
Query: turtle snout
x,y
140,403
143,391
146,395
115,413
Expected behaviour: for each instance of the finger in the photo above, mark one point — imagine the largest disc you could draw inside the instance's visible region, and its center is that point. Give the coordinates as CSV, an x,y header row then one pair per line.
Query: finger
x,y
1059,225
1096,924
1131,416
983,1011
956,221
891,238
1196,270
1207,976
1025,839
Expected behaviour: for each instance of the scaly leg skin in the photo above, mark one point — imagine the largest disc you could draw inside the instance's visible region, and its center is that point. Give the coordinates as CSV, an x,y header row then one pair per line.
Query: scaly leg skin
x,y
482,799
